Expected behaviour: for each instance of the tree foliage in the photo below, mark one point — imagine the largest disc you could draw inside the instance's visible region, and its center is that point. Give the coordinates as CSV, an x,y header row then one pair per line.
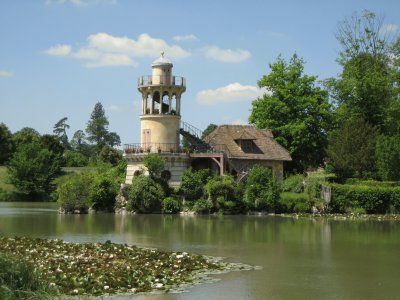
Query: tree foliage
x,y
192,186
388,157
97,129
262,190
110,155
368,86
74,192
33,168
155,164
295,109
60,130
351,149
6,143
25,136
210,128
78,140
145,195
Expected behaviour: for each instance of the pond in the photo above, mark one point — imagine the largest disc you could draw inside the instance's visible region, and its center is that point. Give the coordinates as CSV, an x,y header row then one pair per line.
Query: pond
x,y
300,258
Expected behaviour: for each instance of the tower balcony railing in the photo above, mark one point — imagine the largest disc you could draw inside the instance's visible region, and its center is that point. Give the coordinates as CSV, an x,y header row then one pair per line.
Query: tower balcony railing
x,y
154,80
138,148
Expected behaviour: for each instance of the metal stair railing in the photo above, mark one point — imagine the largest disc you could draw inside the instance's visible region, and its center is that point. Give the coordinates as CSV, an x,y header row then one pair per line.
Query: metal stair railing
x,y
191,130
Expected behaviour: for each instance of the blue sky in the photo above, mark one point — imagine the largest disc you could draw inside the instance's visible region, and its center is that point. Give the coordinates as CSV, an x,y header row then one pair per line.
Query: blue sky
x,y
59,57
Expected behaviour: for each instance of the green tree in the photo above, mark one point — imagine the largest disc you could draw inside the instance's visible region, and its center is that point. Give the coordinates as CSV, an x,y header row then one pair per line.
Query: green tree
x,y
25,136
78,140
6,143
52,143
192,186
351,149
60,130
210,128
296,110
388,157
113,139
155,164
145,195
97,127
103,191
110,155
33,168
75,159
262,191
74,192
368,85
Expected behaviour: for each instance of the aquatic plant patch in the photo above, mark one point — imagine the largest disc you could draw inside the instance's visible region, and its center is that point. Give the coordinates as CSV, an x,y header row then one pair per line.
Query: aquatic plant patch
x,y
108,268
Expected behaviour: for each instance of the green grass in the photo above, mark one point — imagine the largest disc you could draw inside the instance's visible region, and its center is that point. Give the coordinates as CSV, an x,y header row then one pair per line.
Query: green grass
x,y
7,187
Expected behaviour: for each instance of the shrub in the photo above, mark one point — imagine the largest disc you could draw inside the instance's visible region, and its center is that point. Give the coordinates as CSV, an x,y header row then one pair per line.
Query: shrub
x,y
262,190
220,187
144,195
202,206
74,192
193,183
154,164
372,199
294,184
103,192
314,180
295,202
171,205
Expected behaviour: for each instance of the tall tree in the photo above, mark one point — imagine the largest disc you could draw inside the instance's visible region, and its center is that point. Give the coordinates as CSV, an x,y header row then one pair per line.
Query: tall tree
x,y
368,85
6,143
363,33
60,129
296,110
97,127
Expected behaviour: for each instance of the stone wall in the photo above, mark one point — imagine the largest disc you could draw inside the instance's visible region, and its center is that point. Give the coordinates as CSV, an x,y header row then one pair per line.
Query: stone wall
x,y
176,163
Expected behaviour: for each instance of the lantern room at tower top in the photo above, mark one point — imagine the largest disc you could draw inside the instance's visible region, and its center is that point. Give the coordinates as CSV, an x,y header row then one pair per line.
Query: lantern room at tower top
x,y
161,105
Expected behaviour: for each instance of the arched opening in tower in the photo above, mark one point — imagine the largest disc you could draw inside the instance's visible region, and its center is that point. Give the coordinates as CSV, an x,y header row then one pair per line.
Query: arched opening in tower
x,y
165,103
173,105
156,102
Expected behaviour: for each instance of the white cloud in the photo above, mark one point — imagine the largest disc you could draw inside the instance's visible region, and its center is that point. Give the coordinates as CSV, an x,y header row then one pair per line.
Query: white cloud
x,y
4,73
388,29
226,55
86,53
59,50
234,92
189,37
111,59
145,45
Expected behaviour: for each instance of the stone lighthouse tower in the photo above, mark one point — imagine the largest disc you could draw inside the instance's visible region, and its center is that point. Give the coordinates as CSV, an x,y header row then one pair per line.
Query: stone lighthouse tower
x,y
161,106
160,122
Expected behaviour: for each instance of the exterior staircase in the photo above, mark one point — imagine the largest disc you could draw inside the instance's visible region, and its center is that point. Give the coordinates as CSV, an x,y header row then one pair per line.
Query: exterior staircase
x,y
194,136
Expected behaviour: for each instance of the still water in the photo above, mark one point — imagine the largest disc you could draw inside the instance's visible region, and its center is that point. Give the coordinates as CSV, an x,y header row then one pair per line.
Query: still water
x,y
300,258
